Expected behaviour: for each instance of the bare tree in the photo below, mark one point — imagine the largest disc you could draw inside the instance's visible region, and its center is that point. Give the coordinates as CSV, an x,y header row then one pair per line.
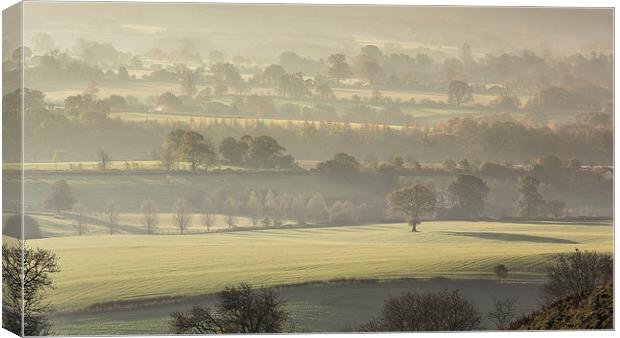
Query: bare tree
x,y
317,207
112,215
298,209
150,215
255,207
504,312
104,160
25,278
283,204
241,309
431,311
183,214
207,213
232,207
271,203
79,217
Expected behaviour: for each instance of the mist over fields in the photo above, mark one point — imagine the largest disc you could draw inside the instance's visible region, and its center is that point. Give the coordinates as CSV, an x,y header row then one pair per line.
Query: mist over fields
x,y
259,31
333,166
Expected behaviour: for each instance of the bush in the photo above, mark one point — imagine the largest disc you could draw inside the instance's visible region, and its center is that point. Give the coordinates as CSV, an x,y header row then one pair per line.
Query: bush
x,y
12,227
500,271
241,310
432,311
577,273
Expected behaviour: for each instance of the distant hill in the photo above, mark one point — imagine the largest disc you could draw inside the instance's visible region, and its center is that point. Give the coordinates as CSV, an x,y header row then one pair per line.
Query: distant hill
x,y
588,311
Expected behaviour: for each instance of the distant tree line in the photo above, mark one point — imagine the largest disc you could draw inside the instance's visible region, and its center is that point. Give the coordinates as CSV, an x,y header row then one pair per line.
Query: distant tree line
x,y
499,138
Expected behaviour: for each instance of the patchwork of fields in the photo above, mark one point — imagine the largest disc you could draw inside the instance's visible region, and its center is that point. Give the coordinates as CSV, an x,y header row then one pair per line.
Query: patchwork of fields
x,y
107,269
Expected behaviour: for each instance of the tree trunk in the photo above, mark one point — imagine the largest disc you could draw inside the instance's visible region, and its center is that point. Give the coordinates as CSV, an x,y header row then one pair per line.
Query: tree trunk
x,y
413,223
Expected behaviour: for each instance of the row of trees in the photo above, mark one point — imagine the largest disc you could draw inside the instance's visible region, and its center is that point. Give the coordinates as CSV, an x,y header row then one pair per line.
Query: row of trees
x,y
466,199
298,86
254,152
262,208
501,138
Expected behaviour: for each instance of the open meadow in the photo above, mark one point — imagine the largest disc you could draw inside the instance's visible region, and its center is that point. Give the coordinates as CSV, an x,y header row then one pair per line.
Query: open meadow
x,y
104,269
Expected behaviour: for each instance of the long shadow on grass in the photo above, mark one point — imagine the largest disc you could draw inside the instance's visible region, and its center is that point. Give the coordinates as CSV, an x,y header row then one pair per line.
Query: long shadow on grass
x,y
502,236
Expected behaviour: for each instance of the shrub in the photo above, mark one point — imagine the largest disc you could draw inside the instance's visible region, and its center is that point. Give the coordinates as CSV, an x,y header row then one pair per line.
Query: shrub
x,y
433,311
12,227
500,271
577,273
241,309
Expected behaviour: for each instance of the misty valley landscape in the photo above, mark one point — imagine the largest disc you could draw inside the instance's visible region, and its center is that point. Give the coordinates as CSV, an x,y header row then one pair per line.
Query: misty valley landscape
x,y
203,168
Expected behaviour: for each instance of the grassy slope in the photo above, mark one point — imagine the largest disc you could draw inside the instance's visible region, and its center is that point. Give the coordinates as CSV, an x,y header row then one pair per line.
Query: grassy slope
x,y
98,269
593,311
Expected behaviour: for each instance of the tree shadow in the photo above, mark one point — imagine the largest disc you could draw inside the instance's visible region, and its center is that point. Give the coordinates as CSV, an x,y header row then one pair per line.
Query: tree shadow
x,y
502,236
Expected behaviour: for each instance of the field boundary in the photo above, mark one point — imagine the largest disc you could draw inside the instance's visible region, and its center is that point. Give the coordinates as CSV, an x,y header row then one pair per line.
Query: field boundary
x,y
171,300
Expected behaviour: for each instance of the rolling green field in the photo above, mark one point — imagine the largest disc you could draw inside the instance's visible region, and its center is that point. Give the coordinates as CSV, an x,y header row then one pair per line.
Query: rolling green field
x,y
127,268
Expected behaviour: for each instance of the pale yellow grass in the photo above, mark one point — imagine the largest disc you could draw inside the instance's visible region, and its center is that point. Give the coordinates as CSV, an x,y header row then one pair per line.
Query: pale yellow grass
x,y
99,269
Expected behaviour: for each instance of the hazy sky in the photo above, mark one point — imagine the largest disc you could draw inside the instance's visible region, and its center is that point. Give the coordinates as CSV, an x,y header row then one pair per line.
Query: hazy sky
x,y
241,28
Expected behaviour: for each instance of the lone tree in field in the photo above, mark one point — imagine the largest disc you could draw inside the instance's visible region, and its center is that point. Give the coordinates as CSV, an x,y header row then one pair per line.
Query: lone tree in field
x,y
241,309
469,192
182,215
60,197
459,92
104,160
530,201
112,215
25,277
432,311
150,215
413,201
